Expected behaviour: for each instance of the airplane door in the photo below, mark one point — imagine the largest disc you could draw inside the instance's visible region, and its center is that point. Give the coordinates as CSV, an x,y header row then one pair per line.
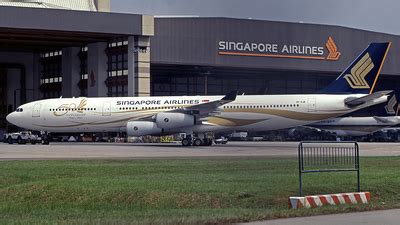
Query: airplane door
x,y
106,109
36,110
312,106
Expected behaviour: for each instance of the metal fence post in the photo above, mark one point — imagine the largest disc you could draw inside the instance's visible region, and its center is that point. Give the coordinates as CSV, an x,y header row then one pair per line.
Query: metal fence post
x,y
358,166
300,169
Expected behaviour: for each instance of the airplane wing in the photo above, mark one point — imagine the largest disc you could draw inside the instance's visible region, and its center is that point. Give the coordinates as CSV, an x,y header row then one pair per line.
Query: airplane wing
x,y
208,108
353,102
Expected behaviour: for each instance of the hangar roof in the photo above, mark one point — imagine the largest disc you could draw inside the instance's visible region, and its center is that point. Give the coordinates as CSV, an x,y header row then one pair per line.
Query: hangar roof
x,y
60,4
30,29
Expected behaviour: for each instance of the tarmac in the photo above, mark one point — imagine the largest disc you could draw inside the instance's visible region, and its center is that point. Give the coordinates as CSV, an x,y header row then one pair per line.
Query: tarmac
x,y
380,217
79,150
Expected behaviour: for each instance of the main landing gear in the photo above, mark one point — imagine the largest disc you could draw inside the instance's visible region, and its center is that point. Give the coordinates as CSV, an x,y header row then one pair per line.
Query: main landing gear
x,y
198,140
45,138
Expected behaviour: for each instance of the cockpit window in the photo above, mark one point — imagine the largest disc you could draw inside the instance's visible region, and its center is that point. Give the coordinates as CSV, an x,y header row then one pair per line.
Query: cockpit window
x,y
19,110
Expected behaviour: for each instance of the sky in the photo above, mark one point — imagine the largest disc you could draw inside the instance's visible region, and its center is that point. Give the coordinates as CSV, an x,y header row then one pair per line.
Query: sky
x,y
374,15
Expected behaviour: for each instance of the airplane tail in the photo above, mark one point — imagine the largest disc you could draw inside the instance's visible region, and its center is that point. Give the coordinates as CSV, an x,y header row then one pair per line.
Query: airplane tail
x,y
392,105
361,76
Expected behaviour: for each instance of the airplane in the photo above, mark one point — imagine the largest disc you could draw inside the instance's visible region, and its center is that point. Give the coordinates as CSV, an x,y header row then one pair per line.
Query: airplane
x,y
360,126
198,115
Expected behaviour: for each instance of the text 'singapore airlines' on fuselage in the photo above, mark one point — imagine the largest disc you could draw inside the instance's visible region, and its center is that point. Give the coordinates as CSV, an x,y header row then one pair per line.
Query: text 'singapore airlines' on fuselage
x,y
199,114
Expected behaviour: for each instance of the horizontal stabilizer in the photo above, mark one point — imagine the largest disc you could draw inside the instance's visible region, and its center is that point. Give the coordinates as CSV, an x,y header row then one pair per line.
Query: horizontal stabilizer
x,y
387,120
352,102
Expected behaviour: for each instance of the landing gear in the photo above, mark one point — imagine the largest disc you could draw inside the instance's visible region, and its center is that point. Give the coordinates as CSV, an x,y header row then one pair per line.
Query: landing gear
x,y
186,142
45,138
197,140
208,141
20,141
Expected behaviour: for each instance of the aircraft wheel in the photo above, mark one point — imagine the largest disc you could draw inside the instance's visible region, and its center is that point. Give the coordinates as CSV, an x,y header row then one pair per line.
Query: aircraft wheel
x,y
198,142
19,141
10,141
186,142
45,142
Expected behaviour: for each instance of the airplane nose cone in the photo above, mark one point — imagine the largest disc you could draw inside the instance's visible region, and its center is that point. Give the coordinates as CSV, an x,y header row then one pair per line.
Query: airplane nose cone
x,y
11,118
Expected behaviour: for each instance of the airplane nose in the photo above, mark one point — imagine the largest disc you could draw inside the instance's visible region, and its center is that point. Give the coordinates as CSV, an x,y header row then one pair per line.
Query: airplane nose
x,y
11,118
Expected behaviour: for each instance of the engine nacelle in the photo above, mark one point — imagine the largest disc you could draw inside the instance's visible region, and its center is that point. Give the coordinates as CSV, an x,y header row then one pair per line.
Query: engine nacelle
x,y
174,120
141,128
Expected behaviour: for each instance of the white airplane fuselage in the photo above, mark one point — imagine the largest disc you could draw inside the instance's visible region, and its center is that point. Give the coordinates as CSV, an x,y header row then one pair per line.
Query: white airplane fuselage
x,y
247,112
356,126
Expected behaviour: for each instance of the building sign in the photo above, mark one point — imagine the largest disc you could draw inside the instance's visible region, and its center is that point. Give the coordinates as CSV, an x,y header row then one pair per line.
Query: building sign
x,y
327,52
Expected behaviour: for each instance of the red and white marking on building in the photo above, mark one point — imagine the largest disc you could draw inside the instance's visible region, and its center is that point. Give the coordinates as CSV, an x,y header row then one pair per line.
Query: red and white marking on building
x,y
332,199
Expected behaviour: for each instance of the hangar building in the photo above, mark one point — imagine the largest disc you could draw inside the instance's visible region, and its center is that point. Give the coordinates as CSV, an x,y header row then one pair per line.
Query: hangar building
x,y
54,48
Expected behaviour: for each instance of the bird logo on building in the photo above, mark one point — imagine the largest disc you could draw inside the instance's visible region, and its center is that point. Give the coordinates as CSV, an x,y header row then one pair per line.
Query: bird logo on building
x,y
334,54
358,73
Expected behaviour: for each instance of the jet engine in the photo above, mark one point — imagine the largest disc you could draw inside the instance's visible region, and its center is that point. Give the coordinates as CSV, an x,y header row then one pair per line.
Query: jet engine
x,y
141,128
174,120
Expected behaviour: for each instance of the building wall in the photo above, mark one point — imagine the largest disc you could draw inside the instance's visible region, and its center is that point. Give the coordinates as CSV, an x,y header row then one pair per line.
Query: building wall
x,y
103,5
195,41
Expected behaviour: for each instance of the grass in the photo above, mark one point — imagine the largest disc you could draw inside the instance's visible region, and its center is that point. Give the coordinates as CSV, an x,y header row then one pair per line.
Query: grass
x,y
178,191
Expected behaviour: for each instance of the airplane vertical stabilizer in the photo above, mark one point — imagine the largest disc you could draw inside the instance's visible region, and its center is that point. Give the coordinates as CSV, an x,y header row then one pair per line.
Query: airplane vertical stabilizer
x,y
362,74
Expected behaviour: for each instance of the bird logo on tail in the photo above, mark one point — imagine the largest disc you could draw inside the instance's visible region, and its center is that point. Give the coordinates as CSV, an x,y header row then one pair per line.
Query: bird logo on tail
x,y
358,73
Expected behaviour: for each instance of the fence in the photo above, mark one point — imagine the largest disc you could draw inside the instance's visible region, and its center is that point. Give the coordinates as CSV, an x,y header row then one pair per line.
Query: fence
x,y
316,157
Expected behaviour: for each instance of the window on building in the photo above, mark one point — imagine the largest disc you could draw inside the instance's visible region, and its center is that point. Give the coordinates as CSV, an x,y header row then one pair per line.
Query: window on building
x,y
117,64
83,82
51,77
117,91
117,68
